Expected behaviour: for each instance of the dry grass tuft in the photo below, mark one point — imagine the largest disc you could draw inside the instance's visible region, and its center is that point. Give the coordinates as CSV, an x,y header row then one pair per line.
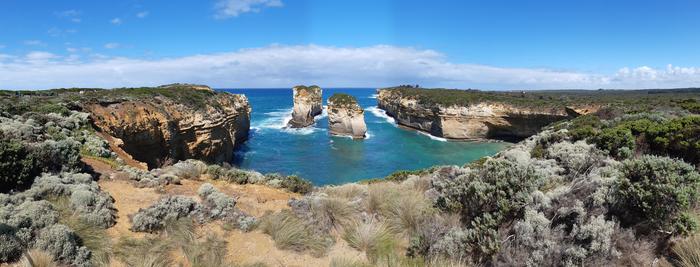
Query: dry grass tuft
x,y
36,258
333,212
346,191
687,251
290,232
374,238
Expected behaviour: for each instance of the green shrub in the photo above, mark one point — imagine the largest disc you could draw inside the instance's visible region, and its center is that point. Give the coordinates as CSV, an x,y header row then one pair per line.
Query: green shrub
x,y
297,184
584,127
657,190
10,246
16,165
614,140
402,175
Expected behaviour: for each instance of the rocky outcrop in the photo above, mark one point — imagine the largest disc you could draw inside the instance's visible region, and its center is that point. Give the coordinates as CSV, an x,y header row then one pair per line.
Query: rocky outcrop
x,y
161,124
307,104
482,119
346,117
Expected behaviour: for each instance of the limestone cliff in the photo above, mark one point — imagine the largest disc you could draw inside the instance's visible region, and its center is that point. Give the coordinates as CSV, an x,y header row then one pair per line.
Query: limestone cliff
x,y
346,117
307,104
172,123
484,116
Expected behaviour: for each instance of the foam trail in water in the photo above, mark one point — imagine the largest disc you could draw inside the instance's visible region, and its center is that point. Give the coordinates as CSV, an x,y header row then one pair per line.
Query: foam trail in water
x,y
380,113
374,96
431,136
278,120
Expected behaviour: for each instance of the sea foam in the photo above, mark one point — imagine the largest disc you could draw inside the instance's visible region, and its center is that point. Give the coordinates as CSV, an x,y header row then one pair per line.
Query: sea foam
x,y
380,113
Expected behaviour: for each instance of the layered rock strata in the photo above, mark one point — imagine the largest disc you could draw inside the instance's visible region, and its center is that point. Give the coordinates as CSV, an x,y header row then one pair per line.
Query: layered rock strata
x,y
346,117
481,119
307,105
169,124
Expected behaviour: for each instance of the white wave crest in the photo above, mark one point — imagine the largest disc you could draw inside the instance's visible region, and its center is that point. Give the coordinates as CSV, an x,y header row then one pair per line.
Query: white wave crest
x,y
279,120
374,96
324,114
431,136
380,113
275,120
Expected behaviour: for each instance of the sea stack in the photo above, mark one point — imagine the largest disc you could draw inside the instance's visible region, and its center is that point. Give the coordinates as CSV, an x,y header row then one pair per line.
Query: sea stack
x,y
307,104
346,117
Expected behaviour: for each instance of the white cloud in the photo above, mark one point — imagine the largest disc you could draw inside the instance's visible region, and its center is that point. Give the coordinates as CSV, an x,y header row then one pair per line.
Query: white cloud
x,y
233,8
142,14
285,66
39,56
116,21
112,45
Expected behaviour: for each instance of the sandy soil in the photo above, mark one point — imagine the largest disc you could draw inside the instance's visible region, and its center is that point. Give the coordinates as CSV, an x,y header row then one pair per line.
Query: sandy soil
x,y
243,247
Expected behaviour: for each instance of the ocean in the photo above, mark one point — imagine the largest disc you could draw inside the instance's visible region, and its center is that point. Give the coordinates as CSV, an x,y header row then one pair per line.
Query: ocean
x,y
323,159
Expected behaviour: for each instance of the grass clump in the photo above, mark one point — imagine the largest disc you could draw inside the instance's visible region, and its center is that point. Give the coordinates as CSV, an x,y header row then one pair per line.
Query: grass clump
x,y
687,251
290,232
373,237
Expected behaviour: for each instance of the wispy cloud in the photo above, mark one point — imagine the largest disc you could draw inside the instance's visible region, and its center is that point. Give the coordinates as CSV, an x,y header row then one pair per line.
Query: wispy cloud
x,y
142,14
58,32
34,43
233,8
72,15
112,45
284,66
116,21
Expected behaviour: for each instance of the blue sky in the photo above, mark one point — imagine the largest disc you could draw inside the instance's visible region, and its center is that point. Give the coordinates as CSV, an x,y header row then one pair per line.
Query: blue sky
x,y
263,43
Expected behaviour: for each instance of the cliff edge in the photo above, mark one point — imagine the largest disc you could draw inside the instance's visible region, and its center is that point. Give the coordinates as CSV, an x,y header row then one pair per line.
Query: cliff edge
x,y
470,114
307,105
156,125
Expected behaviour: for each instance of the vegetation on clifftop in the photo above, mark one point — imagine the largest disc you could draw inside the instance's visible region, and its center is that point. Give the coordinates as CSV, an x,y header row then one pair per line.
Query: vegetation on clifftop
x,y
340,99
622,100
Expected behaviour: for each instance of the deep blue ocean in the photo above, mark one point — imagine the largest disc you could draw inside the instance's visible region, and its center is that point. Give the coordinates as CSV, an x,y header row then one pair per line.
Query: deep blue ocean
x,y
315,155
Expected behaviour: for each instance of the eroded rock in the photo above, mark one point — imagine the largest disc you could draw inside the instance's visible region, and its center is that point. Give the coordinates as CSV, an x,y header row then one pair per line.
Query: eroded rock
x,y
346,117
307,105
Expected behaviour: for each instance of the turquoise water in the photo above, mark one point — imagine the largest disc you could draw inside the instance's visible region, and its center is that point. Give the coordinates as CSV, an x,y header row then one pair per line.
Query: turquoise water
x,y
315,155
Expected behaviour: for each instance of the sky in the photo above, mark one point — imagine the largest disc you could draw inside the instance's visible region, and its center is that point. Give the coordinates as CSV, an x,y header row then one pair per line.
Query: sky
x,y
495,44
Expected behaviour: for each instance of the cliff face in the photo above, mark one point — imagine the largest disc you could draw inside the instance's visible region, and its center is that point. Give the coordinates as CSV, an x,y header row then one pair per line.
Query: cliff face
x,y
346,117
199,124
307,104
479,120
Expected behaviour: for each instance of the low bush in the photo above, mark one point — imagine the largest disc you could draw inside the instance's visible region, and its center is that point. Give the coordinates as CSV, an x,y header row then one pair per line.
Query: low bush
x,y
296,184
658,191
154,218
218,205
65,246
